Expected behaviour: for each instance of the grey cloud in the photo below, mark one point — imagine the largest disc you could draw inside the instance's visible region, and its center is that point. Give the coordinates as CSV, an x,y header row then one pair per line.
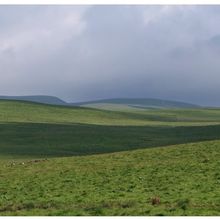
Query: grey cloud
x,y
80,53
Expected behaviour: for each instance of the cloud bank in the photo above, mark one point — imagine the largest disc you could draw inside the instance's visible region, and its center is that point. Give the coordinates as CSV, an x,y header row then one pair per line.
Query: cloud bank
x,y
81,53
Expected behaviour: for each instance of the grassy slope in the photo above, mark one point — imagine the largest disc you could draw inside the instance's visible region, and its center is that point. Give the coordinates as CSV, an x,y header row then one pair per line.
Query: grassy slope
x,y
49,140
185,177
36,98
35,130
143,102
177,117
18,111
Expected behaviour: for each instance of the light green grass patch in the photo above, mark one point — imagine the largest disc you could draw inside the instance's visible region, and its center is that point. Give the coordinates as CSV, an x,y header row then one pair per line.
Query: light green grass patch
x,y
186,178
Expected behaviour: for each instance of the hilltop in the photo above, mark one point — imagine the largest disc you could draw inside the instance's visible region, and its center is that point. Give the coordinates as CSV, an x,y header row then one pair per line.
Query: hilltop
x,y
52,100
108,103
138,103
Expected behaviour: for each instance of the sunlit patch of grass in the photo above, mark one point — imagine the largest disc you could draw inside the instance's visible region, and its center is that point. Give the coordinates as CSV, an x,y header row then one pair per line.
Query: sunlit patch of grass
x,y
116,184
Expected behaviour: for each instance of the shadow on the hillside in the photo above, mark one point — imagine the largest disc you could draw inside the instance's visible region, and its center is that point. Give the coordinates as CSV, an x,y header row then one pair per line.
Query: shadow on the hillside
x,y
56,140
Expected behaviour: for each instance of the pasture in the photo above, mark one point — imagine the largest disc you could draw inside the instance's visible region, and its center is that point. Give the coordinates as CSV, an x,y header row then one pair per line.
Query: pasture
x,y
186,178
58,160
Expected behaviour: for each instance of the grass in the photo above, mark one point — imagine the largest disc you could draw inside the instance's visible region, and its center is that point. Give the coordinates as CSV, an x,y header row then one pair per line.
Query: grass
x,y
34,140
27,112
102,162
167,115
186,178
36,130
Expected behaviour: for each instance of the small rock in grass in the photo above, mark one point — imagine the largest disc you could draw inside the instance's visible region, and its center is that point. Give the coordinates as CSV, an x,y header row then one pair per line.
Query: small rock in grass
x,y
155,200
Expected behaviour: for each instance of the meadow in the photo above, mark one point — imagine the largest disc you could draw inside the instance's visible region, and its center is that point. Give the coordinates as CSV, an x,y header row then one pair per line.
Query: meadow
x,y
186,178
58,160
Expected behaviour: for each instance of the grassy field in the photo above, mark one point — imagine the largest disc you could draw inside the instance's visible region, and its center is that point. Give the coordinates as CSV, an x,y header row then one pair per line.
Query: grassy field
x,y
58,160
36,130
186,178
18,111
49,140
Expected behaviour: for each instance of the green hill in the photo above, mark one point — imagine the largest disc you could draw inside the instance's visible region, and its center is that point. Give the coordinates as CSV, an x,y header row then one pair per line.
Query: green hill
x,y
19,111
185,178
138,103
105,103
53,161
36,98
36,130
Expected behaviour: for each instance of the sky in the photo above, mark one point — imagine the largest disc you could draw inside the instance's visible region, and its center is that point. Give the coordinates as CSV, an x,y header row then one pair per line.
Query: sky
x,y
81,53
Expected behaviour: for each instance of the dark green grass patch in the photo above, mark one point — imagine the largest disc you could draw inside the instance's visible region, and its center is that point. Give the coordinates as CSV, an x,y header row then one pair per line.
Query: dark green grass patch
x,y
49,140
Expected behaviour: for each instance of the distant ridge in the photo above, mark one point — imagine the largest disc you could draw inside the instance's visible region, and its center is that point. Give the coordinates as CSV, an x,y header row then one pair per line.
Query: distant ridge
x,y
141,103
52,100
132,102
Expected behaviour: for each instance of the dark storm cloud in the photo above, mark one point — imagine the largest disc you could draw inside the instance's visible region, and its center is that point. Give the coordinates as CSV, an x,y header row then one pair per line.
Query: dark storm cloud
x,y
81,53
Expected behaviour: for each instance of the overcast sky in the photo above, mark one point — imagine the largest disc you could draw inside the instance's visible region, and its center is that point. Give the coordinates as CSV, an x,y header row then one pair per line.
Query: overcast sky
x,y
81,53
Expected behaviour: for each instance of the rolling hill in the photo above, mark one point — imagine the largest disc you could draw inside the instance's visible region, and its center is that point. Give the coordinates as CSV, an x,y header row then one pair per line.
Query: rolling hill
x,y
52,100
74,160
38,130
135,103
